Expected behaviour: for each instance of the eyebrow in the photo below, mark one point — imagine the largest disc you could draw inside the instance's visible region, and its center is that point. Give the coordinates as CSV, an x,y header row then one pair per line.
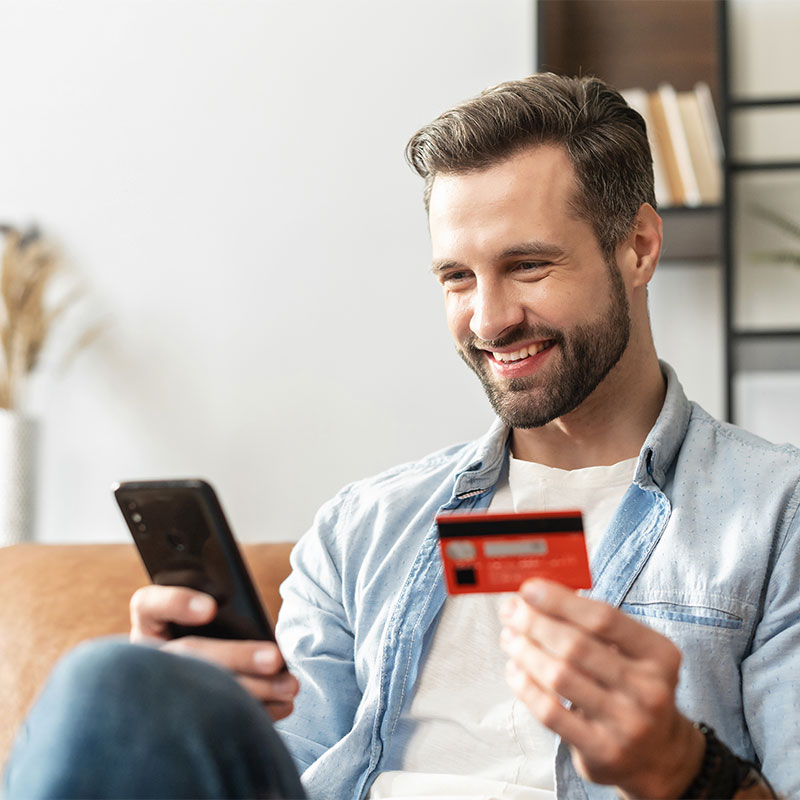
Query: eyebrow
x,y
533,249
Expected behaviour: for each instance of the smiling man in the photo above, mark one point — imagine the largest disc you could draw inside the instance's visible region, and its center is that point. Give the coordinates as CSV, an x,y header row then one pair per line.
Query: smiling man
x,y
676,676
545,237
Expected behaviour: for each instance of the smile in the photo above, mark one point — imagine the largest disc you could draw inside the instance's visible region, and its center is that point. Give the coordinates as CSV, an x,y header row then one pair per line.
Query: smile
x,y
525,352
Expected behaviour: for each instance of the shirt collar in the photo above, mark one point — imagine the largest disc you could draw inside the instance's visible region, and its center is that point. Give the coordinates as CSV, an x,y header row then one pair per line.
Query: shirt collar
x,y
666,437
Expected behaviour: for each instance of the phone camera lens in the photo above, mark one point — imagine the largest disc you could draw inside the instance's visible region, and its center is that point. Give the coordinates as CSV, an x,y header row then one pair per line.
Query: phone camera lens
x,y
142,527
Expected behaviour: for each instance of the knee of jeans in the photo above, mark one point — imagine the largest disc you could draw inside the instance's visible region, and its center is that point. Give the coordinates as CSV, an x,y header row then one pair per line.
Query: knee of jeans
x,y
104,663
137,677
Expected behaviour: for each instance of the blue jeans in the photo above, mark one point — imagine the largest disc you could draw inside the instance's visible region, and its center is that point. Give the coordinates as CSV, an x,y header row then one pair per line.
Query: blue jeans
x,y
122,720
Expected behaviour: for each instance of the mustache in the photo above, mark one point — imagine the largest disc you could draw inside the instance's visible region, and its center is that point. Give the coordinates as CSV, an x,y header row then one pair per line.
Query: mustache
x,y
473,344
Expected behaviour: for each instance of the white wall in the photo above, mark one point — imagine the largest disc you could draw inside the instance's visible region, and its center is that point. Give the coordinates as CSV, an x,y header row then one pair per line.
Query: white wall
x,y
686,309
228,179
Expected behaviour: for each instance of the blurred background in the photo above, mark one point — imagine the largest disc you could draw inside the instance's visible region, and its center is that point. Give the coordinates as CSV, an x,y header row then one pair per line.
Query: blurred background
x,y
226,182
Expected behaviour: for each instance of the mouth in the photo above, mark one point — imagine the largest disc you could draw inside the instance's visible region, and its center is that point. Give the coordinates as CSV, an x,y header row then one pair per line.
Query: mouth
x,y
521,354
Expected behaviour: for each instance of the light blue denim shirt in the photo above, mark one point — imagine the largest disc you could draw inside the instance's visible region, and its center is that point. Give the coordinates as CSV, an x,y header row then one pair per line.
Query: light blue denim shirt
x,y
705,548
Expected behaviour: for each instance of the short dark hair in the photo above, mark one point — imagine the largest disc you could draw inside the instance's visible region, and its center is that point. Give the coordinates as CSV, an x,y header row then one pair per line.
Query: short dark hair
x,y
605,139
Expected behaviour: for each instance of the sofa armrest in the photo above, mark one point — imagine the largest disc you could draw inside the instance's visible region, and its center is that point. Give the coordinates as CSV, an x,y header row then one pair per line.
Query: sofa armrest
x,y
54,596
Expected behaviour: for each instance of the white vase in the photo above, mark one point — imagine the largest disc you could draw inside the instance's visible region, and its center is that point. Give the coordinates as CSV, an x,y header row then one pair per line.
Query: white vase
x,y
18,446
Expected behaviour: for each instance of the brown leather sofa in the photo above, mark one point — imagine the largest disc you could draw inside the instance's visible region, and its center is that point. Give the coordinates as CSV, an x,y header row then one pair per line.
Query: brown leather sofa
x,y
54,596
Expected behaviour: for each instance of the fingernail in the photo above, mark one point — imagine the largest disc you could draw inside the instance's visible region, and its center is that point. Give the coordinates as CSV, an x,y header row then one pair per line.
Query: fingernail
x,y
201,604
514,675
508,607
266,659
533,592
511,641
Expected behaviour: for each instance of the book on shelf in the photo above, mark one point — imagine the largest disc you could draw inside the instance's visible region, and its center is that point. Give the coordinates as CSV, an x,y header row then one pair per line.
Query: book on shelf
x,y
706,169
639,101
710,123
675,146
685,141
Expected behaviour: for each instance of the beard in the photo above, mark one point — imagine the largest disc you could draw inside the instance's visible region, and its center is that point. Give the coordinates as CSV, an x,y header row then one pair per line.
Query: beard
x,y
587,353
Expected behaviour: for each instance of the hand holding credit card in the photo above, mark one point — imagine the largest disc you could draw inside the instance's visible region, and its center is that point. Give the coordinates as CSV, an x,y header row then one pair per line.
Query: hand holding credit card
x,y
497,552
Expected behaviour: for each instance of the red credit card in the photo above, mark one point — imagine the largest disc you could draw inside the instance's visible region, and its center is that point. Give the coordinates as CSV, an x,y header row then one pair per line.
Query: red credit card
x,y
487,552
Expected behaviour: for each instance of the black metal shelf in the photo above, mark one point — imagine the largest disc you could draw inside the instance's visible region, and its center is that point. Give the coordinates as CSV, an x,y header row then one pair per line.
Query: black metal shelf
x,y
748,350
763,166
765,333
764,102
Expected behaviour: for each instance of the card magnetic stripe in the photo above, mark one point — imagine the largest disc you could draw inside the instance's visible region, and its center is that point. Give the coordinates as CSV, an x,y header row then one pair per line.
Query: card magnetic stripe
x,y
483,527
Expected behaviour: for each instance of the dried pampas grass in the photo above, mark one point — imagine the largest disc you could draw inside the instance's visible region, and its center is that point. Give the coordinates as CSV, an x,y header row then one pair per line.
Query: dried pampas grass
x,y
29,264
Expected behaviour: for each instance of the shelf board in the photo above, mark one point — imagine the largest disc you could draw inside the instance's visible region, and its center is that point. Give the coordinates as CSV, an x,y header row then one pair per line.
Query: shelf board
x,y
691,234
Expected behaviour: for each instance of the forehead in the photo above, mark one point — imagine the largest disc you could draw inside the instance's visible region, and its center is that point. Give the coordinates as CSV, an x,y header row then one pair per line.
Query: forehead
x,y
527,195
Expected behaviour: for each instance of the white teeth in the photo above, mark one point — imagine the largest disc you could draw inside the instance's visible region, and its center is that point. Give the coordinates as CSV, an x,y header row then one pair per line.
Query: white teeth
x,y
517,355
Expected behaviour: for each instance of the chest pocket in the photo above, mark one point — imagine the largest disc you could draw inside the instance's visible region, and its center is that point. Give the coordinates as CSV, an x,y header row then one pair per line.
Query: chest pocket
x,y
708,615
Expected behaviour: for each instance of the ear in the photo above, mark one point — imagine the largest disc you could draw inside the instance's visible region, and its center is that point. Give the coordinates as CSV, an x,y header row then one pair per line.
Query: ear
x,y
643,246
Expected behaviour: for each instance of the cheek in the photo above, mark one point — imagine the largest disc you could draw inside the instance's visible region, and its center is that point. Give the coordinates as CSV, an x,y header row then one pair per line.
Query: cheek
x,y
459,315
561,303
548,302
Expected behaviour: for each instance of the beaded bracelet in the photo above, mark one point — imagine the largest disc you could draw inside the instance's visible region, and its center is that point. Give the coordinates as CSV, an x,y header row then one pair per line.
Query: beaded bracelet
x,y
722,773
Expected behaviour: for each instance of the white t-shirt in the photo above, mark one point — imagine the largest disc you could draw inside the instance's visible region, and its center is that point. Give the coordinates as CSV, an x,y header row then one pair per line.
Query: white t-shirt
x,y
467,735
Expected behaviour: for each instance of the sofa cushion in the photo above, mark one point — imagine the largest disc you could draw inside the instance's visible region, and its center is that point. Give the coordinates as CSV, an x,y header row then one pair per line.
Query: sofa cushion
x,y
54,596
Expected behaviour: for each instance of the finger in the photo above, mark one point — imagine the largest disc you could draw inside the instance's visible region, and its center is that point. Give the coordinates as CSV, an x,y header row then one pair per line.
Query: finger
x,y
242,657
603,621
564,680
601,753
644,683
279,710
600,660
591,741
153,607
547,708
280,689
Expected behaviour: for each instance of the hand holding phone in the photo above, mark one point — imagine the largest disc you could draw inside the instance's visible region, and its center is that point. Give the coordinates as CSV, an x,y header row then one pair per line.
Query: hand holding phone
x,y
187,546
184,539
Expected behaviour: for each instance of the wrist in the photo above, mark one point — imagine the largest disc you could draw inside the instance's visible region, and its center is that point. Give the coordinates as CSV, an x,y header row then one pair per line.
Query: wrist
x,y
686,759
677,765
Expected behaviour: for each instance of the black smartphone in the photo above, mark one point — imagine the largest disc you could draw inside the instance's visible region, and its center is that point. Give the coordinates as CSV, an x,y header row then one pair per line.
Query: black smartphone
x,y
182,535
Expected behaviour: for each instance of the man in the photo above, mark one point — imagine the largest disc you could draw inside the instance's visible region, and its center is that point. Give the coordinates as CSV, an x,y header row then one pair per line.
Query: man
x,y
544,235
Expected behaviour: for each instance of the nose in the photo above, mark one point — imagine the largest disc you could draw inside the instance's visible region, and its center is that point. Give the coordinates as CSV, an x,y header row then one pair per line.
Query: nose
x,y
495,310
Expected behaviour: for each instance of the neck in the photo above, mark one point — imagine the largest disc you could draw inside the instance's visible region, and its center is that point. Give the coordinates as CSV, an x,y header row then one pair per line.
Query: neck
x,y
609,426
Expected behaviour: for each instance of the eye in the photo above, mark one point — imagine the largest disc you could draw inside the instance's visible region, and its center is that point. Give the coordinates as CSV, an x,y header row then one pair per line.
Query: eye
x,y
532,266
531,270
455,278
